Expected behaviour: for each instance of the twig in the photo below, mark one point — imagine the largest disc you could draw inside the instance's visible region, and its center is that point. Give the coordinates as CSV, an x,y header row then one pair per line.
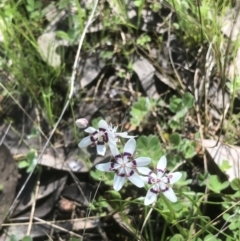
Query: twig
x,y
171,60
57,221
196,95
33,207
9,125
57,227
72,81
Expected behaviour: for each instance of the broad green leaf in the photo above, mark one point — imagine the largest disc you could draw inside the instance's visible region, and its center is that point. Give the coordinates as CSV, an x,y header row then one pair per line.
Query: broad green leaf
x,y
234,225
102,202
149,146
140,109
31,4
211,237
23,164
226,216
13,238
175,104
115,194
63,35
188,100
175,139
95,122
180,114
27,238
97,175
32,165
235,184
177,237
31,155
215,185
138,3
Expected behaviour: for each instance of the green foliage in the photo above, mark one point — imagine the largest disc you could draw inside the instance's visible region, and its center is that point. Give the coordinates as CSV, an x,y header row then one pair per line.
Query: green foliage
x,y
184,146
34,8
14,238
140,110
27,238
115,194
180,107
177,104
175,139
143,40
99,205
95,122
98,176
211,237
215,185
75,239
225,166
30,162
177,237
199,21
235,184
149,146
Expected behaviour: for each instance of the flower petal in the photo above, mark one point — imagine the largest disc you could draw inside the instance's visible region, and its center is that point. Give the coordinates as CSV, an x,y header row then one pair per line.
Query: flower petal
x,y
86,141
142,161
101,149
151,197
174,177
130,146
161,166
103,124
144,170
169,194
90,129
136,180
123,135
118,182
114,150
145,179
111,138
104,167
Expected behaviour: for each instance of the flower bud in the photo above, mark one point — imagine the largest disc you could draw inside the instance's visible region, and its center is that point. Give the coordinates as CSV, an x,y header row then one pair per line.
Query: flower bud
x,y
81,123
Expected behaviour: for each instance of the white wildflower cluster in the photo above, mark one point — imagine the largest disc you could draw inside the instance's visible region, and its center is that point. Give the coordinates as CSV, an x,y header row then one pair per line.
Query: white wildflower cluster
x,y
125,165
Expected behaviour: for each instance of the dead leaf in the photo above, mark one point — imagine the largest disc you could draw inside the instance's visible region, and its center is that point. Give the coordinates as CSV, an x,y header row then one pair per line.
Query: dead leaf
x,y
56,160
89,68
49,190
221,152
41,229
145,72
8,181
48,44
230,25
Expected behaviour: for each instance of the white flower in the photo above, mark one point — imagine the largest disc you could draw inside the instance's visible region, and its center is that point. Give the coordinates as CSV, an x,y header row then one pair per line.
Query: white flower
x,y
113,129
81,123
104,134
125,166
161,183
99,137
